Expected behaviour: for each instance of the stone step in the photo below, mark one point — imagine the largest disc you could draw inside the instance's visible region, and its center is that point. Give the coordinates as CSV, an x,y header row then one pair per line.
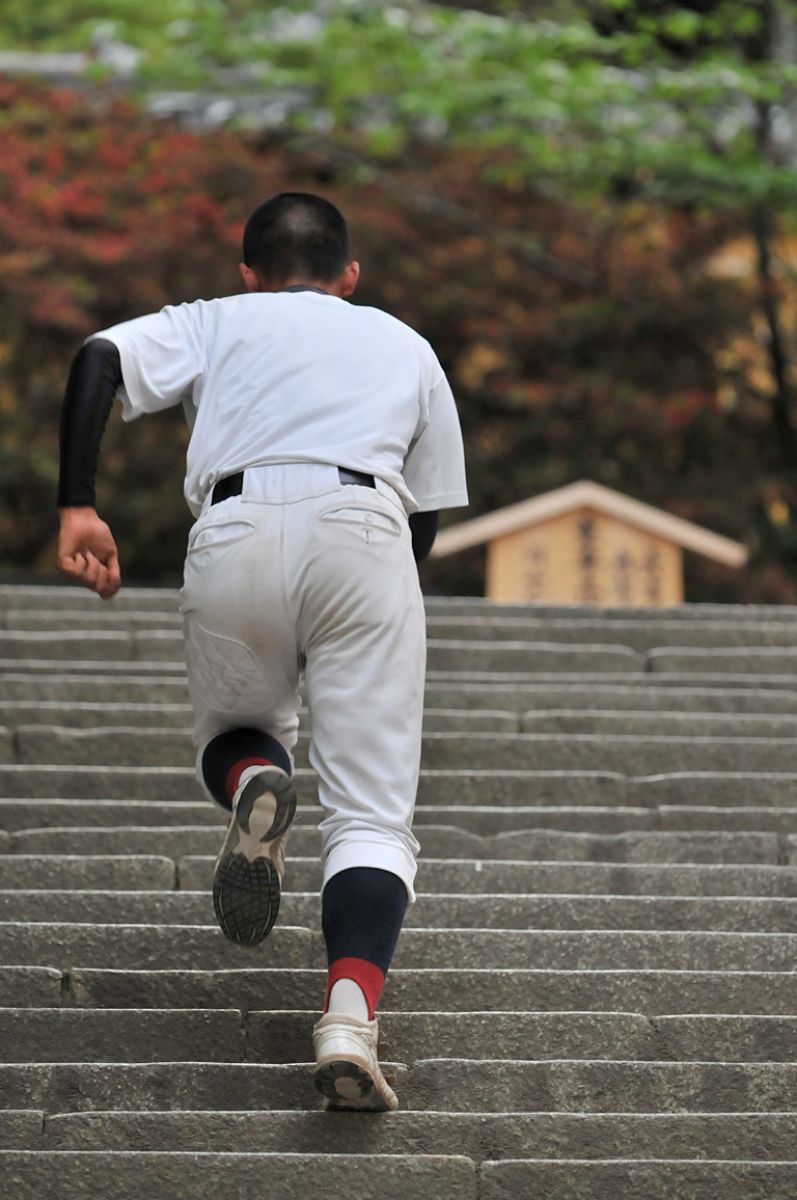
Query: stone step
x,y
749,914
579,1180
119,946
52,620
435,1085
534,844
131,873
88,1175
641,636
87,715
556,845
479,1136
39,664
68,597
166,645
520,788
61,945
762,660
121,746
472,685
671,724
654,992
177,784
117,873
37,987
48,1035
637,693
17,816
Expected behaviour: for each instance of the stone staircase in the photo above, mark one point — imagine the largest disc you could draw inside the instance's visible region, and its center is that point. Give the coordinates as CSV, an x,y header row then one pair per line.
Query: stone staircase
x,y
594,995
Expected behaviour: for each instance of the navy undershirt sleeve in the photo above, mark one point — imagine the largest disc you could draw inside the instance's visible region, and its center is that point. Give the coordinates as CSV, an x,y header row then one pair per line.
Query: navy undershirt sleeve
x,y
94,378
423,527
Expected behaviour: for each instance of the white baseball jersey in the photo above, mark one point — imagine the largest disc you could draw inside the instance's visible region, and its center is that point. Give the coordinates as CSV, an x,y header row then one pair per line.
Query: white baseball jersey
x,y
281,377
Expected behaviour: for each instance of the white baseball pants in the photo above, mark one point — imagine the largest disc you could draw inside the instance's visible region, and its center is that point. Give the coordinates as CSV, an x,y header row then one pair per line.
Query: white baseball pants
x,y
304,574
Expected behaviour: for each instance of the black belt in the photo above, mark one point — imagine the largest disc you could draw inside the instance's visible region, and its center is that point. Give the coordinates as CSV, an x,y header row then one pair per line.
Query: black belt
x,y
233,485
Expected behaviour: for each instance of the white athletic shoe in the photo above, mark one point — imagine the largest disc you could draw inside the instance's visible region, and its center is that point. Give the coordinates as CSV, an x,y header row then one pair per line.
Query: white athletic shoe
x,y
248,877
347,1073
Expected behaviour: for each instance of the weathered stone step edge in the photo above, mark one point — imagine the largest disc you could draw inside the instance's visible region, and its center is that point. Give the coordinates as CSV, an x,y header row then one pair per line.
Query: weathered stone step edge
x,y
436,786
651,991
482,877
553,910
630,755
48,1035
479,1136
72,596
87,1175
470,657
638,635
634,694
437,1085
651,836
654,992
175,671
84,717
576,1179
182,946
118,827
88,715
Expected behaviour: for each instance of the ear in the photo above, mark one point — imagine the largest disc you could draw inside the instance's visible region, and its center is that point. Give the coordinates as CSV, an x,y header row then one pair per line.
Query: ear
x,y
349,279
249,276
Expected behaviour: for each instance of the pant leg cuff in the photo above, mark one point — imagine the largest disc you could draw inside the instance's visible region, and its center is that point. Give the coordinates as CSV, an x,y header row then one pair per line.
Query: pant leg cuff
x,y
386,857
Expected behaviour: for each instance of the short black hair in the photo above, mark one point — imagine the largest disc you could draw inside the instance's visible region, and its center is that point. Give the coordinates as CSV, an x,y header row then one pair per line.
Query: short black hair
x,y
296,233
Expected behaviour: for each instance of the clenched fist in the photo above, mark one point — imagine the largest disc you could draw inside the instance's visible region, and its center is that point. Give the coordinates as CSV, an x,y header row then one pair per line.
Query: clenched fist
x,y
87,551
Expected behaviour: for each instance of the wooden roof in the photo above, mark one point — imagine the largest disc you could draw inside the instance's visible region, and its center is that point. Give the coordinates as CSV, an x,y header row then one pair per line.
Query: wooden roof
x,y
600,499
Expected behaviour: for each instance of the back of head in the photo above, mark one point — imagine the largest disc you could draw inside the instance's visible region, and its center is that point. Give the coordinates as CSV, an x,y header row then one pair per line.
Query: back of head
x,y
296,235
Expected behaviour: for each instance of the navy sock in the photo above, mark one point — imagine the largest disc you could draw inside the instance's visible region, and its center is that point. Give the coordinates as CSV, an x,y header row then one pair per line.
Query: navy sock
x,y
226,755
361,915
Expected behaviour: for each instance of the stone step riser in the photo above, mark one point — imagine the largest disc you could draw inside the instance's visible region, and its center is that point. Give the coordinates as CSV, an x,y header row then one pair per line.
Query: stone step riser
x,y
638,1181
123,824
163,946
535,844
651,992
130,873
482,1137
520,789
177,717
89,1176
635,696
36,745
640,635
66,597
87,716
31,1035
166,646
752,915
436,1085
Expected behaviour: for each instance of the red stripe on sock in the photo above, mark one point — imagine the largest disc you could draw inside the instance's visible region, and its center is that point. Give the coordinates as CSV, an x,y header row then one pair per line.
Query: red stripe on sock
x,y
235,772
366,974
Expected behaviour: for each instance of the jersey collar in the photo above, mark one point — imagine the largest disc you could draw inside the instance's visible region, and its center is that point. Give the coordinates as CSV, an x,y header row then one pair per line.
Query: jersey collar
x,y
304,287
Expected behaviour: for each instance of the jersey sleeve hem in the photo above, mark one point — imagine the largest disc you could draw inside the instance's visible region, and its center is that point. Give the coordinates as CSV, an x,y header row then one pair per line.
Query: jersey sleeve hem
x,y
130,411
442,500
